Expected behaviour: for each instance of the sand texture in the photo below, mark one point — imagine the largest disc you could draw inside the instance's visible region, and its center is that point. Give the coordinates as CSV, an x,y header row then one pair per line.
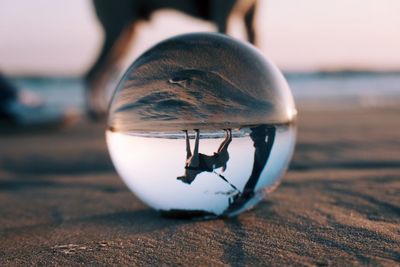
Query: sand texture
x,y
61,203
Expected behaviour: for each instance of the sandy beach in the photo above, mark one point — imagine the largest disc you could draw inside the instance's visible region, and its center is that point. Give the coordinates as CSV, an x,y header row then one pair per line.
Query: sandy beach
x,y
62,203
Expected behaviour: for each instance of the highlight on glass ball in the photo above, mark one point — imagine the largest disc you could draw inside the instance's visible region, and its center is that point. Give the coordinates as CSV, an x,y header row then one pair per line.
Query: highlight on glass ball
x,y
201,125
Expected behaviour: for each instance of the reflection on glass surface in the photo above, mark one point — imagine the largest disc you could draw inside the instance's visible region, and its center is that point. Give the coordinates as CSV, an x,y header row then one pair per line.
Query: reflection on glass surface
x,y
152,165
197,163
223,94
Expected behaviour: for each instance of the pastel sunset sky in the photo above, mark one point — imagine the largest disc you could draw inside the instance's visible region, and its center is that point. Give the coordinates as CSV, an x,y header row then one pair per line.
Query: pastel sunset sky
x,y
62,37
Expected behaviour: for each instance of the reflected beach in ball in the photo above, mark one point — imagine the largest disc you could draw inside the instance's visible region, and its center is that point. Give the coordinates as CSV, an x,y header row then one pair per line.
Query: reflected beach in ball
x,y
201,125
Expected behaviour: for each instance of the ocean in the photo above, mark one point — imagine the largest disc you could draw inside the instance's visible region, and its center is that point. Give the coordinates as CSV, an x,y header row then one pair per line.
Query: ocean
x,y
314,90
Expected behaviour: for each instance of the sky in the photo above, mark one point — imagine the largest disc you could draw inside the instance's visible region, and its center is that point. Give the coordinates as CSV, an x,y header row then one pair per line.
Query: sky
x,y
63,37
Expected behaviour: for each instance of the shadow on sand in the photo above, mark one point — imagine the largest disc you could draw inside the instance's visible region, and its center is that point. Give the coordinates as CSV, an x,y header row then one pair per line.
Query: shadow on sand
x,y
91,162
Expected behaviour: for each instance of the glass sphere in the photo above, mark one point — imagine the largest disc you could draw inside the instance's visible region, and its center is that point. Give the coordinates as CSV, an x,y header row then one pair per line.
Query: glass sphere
x,y
201,125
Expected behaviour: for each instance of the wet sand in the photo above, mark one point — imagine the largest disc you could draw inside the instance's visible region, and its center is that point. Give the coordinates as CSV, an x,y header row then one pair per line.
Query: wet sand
x,y
61,203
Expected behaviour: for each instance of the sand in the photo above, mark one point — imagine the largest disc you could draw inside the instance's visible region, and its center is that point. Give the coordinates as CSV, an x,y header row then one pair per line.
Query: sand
x,y
61,203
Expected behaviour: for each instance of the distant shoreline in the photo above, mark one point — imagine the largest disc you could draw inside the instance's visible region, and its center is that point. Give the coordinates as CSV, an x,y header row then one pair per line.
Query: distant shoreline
x,y
311,90
288,73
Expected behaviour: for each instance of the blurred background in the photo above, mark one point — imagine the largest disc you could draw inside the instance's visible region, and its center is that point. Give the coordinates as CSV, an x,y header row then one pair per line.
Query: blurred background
x,y
343,50
61,201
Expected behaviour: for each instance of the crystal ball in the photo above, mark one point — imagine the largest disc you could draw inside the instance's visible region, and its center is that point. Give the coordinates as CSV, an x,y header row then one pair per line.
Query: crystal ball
x,y
201,125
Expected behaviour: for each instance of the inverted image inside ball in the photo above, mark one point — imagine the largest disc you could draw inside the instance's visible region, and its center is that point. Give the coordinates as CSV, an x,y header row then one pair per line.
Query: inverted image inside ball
x,y
201,125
